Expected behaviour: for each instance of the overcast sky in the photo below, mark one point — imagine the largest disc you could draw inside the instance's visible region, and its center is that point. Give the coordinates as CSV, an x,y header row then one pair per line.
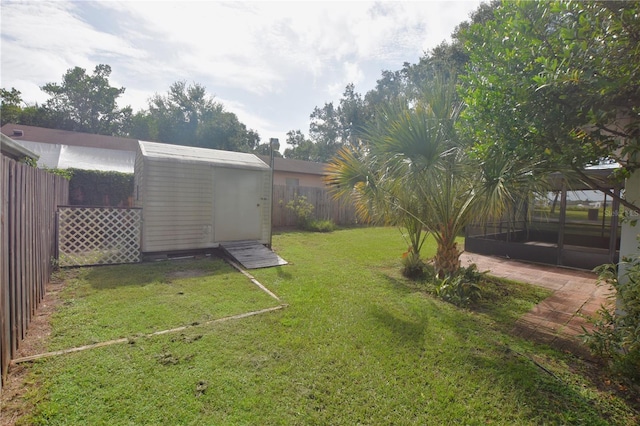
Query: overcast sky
x,y
270,63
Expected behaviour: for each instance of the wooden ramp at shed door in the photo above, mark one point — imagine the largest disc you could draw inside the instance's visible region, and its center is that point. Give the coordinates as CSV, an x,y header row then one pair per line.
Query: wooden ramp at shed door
x,y
252,254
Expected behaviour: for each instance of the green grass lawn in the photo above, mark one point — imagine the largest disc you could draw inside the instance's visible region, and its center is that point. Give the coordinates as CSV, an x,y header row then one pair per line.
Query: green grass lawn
x,y
105,303
358,344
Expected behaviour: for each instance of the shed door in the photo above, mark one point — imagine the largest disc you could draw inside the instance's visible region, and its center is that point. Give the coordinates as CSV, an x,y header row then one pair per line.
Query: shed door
x,y
237,205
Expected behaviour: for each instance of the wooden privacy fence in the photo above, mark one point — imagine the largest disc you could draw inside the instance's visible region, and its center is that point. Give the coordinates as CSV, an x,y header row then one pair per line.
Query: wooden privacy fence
x,y
98,235
341,212
29,200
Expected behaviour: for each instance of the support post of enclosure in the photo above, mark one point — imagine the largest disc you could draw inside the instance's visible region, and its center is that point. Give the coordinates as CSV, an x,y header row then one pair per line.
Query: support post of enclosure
x,y
562,220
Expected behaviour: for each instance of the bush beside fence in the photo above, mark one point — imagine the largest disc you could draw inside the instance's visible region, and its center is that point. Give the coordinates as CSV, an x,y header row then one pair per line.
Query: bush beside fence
x,y
340,212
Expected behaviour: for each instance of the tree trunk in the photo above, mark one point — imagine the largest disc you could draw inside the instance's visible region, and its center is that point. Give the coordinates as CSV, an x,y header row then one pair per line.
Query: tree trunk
x,y
447,260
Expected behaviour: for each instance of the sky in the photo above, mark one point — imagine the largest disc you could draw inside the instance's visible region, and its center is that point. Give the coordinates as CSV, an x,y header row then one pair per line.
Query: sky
x,y
270,63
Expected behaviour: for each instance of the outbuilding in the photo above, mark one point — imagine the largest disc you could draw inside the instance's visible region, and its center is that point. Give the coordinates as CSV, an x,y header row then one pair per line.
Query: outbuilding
x,y
197,198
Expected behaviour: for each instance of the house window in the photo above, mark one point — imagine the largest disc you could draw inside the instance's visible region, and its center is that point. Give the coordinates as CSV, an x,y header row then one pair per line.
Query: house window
x,y
292,181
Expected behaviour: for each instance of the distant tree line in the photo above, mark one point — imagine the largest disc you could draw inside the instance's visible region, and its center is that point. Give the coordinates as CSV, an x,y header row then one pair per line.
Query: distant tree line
x,y
82,102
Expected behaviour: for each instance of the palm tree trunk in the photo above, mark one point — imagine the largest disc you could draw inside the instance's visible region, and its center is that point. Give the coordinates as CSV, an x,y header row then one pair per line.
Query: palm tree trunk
x,y
447,260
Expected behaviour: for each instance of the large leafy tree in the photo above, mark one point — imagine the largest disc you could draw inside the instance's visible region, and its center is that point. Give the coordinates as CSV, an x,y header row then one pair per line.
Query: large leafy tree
x,y
301,148
86,103
557,80
331,127
415,171
187,115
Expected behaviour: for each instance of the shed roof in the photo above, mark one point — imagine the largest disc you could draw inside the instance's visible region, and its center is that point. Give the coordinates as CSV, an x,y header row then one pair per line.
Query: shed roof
x,y
189,154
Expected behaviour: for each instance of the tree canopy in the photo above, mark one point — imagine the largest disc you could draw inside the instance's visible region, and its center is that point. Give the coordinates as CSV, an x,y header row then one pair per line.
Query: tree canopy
x,y
330,128
187,115
86,103
556,80
11,107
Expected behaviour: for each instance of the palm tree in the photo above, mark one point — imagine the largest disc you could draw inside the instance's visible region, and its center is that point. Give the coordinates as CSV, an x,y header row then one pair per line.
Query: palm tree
x,y
415,172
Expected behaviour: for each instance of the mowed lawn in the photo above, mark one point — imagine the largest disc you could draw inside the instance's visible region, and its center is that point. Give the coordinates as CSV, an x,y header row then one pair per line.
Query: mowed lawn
x,y
357,344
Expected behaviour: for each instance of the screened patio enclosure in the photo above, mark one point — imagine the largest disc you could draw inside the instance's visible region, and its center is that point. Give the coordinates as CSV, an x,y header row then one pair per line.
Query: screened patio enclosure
x,y
574,226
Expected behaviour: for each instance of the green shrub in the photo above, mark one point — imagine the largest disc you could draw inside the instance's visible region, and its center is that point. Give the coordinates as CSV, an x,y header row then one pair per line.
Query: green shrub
x,y
462,288
616,334
65,173
413,267
303,211
472,274
320,226
457,290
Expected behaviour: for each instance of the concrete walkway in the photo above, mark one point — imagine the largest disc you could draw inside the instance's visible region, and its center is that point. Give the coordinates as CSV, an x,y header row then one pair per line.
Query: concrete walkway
x,y
557,320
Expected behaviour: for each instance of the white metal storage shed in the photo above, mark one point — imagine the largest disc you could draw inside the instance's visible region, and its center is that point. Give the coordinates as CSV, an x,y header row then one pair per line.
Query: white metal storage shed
x,y
194,198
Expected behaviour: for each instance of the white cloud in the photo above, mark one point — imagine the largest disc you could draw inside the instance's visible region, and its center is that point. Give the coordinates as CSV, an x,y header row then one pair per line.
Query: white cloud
x,y
351,73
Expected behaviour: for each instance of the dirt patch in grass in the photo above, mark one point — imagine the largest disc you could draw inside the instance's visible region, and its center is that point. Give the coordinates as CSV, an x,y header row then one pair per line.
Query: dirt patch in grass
x,y
12,403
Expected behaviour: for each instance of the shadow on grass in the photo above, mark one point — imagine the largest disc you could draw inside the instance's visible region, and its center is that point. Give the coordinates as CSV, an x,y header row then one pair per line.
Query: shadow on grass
x,y
166,271
484,356
505,301
282,273
406,285
409,330
543,396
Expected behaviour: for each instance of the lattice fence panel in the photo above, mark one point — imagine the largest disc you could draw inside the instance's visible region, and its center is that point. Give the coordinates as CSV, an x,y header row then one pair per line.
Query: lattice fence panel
x,y
98,235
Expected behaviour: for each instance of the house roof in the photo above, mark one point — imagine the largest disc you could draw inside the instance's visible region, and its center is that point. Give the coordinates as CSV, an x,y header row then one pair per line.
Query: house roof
x,y
20,132
190,154
295,166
